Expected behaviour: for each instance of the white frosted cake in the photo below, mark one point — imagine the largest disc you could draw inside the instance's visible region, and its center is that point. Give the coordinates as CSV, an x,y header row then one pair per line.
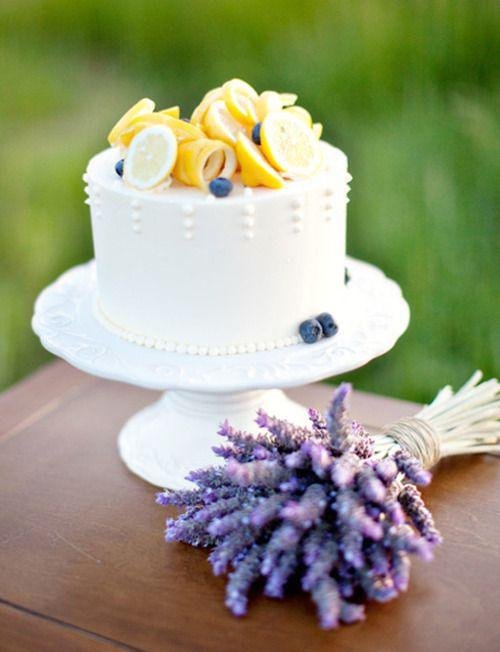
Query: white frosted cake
x,y
226,266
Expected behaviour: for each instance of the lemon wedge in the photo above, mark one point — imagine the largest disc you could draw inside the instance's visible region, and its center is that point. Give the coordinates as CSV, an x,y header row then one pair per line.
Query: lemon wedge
x,y
289,144
151,157
220,124
255,170
240,100
200,161
142,106
208,99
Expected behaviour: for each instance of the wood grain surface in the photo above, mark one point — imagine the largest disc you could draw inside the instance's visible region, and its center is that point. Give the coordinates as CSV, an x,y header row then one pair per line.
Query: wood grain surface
x,y
83,563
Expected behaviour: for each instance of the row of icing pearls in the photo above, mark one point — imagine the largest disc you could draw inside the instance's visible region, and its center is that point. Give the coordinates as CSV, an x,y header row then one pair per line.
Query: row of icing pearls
x,y
192,349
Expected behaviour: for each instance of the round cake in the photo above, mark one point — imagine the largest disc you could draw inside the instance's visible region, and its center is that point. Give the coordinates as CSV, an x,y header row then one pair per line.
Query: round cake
x,y
199,270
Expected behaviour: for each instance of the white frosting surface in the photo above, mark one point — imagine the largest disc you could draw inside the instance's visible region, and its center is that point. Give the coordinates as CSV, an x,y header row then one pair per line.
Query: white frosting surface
x,y
182,270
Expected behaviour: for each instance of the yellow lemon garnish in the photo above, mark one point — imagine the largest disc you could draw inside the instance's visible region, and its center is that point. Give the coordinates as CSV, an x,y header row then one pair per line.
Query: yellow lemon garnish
x,y
267,102
151,157
317,129
255,170
183,130
287,99
289,144
240,100
208,99
173,111
142,106
200,161
301,113
220,124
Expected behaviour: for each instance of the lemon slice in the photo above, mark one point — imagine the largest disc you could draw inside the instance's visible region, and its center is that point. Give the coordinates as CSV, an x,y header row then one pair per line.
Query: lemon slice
x,y
183,130
301,113
200,161
317,129
267,102
240,100
287,99
255,170
151,157
208,99
289,144
220,124
143,106
173,111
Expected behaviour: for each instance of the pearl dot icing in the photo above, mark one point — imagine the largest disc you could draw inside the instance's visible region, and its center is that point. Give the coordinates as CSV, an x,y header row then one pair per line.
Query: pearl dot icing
x,y
249,209
297,202
248,192
188,209
192,349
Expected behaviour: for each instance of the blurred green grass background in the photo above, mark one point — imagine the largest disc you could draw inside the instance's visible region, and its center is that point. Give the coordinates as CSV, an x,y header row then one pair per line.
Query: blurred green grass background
x,y
408,89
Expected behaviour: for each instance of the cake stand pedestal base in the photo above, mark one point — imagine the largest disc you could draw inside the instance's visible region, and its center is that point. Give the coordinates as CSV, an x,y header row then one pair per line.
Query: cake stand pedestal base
x,y
166,440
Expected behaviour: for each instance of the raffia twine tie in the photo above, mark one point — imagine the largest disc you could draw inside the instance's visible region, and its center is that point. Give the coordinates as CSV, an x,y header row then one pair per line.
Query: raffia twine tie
x,y
418,437
455,423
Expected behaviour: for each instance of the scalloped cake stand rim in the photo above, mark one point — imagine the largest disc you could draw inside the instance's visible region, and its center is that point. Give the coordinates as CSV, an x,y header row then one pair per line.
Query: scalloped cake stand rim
x,y
376,316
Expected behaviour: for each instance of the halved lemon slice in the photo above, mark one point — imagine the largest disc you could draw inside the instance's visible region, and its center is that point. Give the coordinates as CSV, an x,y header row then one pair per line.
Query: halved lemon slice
x,y
151,157
287,99
301,113
317,129
142,106
267,102
220,124
289,144
183,130
240,100
208,99
255,170
200,161
173,111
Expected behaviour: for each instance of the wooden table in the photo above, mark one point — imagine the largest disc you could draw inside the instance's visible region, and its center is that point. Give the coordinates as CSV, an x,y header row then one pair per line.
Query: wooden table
x,y
83,564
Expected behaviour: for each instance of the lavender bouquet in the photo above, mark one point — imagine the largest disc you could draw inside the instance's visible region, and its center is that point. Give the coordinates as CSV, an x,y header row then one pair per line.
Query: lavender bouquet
x,y
327,507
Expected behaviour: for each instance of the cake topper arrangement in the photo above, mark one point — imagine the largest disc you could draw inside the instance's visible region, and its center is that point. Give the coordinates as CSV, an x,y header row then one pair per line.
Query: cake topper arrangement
x,y
264,137
329,507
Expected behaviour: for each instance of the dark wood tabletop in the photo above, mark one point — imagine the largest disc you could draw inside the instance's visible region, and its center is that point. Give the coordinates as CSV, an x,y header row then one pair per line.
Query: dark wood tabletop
x,y
83,563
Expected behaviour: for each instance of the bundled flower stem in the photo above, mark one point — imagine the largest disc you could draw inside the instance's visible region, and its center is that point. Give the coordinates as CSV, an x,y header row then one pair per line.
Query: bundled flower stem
x,y
329,506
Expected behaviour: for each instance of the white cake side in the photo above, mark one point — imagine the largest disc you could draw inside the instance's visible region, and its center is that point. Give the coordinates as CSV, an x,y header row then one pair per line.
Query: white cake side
x,y
181,270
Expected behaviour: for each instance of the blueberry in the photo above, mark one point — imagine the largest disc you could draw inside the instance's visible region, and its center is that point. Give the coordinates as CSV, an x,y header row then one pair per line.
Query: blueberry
x,y
328,325
220,187
347,276
119,167
310,331
256,133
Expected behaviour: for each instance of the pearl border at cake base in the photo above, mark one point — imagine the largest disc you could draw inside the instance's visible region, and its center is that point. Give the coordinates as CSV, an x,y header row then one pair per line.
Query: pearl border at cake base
x,y
162,442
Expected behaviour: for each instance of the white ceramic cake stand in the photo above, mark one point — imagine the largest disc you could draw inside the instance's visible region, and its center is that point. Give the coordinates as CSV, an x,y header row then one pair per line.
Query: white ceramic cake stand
x,y
164,441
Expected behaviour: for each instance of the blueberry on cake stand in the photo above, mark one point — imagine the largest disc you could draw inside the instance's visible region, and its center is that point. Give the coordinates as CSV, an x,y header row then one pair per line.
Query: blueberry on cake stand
x,y
164,441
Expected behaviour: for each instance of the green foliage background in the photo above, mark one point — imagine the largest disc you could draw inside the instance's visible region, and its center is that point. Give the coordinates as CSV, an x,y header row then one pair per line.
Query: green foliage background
x,y
408,89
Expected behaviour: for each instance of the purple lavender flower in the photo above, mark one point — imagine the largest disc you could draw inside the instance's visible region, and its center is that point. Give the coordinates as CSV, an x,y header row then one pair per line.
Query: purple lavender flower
x,y
411,468
308,505
412,503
